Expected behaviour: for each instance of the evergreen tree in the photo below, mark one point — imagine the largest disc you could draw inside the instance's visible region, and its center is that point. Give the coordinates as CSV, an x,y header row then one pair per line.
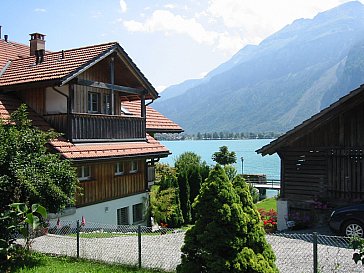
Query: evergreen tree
x,y
184,195
227,237
190,172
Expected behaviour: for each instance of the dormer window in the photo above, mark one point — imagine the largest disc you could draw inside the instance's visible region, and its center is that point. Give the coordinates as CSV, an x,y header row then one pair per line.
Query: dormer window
x,y
93,102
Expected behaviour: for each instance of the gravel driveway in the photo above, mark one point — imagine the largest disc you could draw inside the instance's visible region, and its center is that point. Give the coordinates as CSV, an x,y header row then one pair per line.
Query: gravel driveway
x,y
163,251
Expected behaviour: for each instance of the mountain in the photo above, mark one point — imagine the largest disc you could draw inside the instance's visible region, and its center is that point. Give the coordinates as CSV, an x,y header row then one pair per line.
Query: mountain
x,y
279,83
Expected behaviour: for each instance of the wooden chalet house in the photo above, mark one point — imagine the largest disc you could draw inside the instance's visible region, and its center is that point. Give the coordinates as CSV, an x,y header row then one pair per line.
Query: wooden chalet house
x,y
96,96
322,162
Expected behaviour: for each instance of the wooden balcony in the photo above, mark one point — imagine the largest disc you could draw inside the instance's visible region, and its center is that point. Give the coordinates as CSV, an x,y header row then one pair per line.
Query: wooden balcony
x,y
80,127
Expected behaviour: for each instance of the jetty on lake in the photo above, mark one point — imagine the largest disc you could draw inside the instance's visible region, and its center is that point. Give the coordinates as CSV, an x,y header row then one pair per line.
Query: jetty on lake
x,y
261,183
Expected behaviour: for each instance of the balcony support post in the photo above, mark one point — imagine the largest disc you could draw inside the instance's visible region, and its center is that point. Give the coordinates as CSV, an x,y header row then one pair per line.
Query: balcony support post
x,y
71,93
112,81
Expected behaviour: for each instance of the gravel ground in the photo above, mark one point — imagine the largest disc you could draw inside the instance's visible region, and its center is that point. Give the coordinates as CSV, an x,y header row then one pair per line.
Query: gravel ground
x,y
293,251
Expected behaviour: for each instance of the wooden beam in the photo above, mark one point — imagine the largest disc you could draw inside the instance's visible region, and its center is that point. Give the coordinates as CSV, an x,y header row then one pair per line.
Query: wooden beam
x,y
125,89
112,80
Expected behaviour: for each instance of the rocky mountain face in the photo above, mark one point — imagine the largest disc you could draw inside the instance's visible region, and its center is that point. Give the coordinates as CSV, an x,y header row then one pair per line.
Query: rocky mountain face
x,y
276,85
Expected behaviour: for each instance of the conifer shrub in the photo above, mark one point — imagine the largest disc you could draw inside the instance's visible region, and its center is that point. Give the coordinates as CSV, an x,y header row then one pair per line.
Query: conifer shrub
x,y
191,172
228,235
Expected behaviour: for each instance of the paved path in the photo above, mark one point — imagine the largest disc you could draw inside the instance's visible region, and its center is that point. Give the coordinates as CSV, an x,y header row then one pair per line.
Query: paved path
x,y
163,251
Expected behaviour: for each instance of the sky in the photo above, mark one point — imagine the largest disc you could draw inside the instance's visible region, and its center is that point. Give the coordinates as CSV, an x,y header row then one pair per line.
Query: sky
x,y
170,41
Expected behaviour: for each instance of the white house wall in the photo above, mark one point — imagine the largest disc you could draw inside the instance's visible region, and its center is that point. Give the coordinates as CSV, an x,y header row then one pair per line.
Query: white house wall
x,y
105,212
55,102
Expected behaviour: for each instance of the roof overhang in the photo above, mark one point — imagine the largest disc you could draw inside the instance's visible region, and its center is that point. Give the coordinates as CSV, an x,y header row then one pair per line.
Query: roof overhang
x,y
350,100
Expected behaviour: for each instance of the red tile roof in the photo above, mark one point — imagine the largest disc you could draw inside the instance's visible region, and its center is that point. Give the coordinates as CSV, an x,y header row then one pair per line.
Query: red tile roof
x,y
9,104
151,147
54,67
156,122
12,51
148,148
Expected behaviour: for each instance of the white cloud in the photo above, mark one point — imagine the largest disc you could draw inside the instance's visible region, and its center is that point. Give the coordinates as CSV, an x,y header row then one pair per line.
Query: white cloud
x,y
170,23
256,19
123,6
161,88
40,10
170,6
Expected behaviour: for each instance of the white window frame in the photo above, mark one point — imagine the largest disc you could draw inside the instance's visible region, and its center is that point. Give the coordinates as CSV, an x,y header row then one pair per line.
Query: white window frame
x,y
90,102
119,168
133,166
84,169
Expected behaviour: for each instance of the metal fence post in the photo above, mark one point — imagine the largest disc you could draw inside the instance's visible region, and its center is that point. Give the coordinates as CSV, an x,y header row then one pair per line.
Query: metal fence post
x,y
315,262
140,245
78,238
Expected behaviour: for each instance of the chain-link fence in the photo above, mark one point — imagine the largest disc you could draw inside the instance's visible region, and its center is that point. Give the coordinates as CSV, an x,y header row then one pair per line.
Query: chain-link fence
x,y
161,247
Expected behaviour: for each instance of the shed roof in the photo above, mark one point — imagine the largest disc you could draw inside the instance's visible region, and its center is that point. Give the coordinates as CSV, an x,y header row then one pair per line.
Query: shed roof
x,y
346,102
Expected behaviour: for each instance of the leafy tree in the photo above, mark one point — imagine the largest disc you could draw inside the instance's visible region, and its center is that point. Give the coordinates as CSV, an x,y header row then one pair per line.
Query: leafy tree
x,y
29,173
228,235
164,197
18,218
224,157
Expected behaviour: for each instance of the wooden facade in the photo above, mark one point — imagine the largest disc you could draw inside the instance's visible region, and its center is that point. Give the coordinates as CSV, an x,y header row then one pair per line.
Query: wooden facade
x,y
78,92
322,159
77,124
105,185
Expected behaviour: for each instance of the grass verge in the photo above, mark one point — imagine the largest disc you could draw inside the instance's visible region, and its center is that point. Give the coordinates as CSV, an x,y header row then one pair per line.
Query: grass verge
x,y
40,263
267,204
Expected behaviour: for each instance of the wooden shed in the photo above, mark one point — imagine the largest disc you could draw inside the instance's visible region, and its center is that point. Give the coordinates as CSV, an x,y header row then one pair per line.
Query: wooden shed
x,y
322,158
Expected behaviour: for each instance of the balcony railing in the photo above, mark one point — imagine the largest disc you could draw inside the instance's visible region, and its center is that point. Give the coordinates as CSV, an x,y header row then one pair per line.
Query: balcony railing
x,y
79,127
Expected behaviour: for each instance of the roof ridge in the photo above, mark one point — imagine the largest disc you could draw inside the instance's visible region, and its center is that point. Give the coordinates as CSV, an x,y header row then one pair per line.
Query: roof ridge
x,y
84,47
66,50
16,43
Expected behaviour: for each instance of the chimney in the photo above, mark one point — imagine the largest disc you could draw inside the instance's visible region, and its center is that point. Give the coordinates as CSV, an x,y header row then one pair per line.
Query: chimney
x,y
37,42
6,37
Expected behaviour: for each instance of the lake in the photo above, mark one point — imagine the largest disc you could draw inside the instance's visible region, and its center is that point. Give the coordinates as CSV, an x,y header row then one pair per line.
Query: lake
x,y
253,163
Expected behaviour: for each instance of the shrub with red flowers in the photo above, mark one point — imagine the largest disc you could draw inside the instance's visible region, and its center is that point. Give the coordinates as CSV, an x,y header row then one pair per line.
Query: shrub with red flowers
x,y
269,219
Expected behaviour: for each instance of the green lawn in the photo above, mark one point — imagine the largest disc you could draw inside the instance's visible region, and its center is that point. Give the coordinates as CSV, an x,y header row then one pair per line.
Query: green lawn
x,y
267,204
51,264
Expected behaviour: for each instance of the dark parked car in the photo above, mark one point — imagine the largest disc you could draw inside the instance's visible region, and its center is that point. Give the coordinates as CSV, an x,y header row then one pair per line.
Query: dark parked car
x,y
348,221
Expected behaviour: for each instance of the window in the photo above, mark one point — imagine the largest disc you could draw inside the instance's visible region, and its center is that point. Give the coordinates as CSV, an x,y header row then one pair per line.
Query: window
x,y
122,215
93,102
84,173
119,168
137,213
133,166
106,104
